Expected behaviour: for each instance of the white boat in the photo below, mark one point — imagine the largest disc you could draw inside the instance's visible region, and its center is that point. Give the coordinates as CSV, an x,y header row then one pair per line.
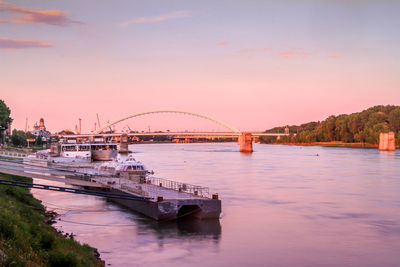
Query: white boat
x,y
76,151
85,151
125,166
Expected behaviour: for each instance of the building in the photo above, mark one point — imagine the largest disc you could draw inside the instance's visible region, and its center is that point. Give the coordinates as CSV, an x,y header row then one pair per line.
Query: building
x,y
40,130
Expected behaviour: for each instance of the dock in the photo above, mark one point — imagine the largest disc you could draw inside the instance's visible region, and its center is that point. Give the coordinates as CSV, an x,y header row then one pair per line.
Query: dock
x,y
158,198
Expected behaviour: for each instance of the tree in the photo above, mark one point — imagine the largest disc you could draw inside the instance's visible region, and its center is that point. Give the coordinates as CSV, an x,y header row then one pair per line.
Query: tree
x,y
5,118
18,138
394,119
364,126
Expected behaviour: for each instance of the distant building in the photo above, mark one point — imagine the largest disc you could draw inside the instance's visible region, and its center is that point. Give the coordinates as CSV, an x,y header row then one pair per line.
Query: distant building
x,y
40,130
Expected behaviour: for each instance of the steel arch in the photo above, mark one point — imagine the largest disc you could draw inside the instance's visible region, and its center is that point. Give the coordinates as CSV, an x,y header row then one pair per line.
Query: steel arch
x,y
233,129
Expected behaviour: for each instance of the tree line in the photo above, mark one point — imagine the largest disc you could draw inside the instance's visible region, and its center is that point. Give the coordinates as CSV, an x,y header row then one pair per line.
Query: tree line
x,y
360,127
18,138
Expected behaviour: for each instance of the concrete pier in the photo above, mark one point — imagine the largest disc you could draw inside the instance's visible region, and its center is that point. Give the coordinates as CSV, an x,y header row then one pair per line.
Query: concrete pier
x,y
123,146
387,141
245,143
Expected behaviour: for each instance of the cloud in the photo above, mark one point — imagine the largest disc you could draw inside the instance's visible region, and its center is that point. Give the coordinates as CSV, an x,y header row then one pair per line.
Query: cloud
x,y
294,52
336,56
154,19
249,50
287,53
6,43
51,17
223,43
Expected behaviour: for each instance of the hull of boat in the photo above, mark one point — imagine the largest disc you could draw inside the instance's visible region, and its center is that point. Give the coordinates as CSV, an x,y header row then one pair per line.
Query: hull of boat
x,y
104,155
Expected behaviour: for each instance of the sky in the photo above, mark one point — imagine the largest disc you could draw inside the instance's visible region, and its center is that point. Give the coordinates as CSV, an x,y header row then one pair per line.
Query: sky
x,y
251,64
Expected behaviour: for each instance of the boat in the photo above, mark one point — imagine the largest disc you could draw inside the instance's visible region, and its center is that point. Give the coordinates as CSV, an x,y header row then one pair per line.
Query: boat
x,y
103,151
125,166
77,151
85,151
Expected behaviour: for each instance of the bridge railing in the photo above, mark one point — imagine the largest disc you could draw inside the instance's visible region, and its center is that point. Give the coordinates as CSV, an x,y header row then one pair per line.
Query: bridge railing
x,y
178,186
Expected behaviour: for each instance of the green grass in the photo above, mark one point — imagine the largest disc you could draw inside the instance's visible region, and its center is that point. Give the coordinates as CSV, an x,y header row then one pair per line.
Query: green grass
x,y
25,237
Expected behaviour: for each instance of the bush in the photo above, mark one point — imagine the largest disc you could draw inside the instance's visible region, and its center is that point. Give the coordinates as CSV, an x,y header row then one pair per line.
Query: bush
x,y
6,228
62,259
47,241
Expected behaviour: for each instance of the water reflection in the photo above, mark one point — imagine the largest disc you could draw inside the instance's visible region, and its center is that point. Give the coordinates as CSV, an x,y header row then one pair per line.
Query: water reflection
x,y
117,231
281,206
185,228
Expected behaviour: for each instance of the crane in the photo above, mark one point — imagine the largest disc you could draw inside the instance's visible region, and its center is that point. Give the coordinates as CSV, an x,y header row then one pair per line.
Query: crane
x,y
98,120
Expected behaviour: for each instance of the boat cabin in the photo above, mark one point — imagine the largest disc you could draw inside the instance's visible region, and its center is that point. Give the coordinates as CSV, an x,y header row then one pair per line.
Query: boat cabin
x,y
75,151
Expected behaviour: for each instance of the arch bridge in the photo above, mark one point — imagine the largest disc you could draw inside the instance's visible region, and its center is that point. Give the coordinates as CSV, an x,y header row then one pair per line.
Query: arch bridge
x,y
245,138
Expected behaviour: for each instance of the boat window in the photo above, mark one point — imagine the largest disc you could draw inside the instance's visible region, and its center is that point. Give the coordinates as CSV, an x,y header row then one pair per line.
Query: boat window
x,y
83,148
69,148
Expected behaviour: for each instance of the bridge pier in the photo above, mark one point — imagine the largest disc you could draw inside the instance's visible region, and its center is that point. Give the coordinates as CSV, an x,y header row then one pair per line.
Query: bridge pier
x,y
123,145
387,141
245,142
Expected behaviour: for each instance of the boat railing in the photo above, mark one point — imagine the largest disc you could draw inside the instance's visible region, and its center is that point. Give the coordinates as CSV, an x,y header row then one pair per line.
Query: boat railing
x,y
178,186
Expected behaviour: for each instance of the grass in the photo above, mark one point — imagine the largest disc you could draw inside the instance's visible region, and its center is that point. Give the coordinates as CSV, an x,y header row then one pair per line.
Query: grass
x,y
27,240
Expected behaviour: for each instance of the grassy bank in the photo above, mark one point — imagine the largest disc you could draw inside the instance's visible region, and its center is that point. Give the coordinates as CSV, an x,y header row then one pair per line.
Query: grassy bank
x,y
27,238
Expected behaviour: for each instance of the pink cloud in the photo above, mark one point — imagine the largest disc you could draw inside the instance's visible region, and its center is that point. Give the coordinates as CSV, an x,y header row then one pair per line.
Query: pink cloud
x,y
223,43
336,56
294,52
6,43
287,53
154,19
51,17
247,50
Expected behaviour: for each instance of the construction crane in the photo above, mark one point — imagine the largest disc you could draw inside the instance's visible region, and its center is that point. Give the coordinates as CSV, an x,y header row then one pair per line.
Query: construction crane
x,y
130,130
98,120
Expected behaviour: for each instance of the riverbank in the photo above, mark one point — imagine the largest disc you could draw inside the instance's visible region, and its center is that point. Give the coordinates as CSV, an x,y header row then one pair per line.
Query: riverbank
x,y
331,144
27,237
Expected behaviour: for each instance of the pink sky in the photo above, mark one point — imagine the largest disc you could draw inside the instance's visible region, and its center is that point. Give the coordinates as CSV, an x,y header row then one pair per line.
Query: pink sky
x,y
63,62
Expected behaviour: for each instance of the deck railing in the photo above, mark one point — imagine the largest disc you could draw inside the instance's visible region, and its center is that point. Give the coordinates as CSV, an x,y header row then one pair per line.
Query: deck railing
x,y
12,154
178,186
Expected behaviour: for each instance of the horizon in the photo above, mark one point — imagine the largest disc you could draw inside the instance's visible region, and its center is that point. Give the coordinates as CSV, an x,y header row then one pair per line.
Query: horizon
x,y
254,66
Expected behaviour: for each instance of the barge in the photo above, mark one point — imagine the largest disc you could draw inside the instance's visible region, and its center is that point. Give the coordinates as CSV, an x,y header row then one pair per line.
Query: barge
x,y
162,199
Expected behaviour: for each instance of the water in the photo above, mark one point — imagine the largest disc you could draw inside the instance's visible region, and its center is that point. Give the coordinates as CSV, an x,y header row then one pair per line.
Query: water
x,y
282,206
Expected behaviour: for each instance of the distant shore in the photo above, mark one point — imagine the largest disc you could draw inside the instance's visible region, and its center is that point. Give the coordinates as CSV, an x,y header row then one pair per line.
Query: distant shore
x,y
332,144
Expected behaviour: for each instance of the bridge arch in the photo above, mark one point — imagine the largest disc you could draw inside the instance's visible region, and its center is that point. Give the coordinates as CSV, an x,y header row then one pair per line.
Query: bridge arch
x,y
231,128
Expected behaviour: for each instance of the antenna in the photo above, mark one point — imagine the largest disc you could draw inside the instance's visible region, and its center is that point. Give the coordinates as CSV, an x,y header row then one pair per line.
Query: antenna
x,y
26,124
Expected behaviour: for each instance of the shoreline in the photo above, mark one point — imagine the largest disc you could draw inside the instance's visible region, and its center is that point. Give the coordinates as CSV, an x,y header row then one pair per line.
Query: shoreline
x,y
27,235
330,144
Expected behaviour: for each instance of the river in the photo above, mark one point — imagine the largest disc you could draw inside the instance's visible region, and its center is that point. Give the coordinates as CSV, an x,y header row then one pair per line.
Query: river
x,y
281,206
